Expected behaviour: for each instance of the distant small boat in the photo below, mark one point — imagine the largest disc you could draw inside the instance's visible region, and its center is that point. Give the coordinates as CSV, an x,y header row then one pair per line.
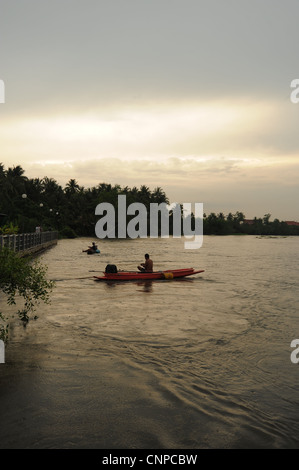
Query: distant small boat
x,y
93,252
138,275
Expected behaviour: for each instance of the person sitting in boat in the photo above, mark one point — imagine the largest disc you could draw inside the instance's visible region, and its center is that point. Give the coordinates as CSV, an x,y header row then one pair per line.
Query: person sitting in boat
x,y
146,267
91,249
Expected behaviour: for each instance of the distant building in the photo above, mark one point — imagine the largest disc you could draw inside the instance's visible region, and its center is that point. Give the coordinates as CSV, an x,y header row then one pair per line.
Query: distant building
x,y
248,221
291,222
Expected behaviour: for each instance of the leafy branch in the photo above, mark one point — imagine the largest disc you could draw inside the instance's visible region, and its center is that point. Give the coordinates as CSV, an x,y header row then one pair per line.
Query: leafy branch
x,y
25,279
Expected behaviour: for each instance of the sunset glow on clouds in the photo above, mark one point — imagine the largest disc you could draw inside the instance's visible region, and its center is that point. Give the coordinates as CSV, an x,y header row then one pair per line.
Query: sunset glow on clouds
x,y
145,131
205,115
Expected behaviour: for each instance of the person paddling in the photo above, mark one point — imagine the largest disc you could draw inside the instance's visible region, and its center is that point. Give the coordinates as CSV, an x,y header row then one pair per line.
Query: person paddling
x,y
91,249
146,267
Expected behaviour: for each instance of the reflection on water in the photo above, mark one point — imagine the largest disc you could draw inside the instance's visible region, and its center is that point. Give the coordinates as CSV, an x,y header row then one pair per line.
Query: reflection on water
x,y
202,362
147,286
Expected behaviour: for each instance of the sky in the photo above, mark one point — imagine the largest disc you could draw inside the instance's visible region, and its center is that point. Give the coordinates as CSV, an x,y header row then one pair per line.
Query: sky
x,y
192,96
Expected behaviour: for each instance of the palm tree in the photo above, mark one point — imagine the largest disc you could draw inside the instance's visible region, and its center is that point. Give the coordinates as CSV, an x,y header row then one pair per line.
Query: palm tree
x,y
2,171
144,195
159,196
72,187
103,187
15,181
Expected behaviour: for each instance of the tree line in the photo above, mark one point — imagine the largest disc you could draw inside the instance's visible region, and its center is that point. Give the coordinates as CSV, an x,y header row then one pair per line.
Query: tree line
x,y
26,203
29,202
219,224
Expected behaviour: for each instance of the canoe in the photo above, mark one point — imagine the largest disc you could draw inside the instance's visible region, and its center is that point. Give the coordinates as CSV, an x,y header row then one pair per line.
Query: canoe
x,y
138,275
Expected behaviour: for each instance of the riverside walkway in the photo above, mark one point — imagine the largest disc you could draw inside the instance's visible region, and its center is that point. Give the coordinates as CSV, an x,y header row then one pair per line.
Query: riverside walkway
x,y
29,243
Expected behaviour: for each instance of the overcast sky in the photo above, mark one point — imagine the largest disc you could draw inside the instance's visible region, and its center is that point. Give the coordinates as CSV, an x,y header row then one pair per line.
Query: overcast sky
x,y
189,95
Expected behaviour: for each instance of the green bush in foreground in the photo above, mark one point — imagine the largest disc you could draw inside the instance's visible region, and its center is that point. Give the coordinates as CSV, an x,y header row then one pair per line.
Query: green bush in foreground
x,y
25,279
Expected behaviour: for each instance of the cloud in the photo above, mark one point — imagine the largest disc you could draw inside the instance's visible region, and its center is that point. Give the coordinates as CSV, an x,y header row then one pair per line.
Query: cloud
x,y
174,171
84,52
191,96
148,130
215,151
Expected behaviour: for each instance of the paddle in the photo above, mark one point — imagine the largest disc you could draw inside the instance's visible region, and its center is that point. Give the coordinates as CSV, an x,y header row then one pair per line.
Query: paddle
x,y
72,278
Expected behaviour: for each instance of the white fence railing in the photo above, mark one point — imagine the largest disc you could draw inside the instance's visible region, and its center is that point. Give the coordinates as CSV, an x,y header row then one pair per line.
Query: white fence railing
x,y
27,241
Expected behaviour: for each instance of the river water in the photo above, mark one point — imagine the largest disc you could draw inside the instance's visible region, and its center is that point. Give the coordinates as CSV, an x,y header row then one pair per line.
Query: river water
x,y
197,363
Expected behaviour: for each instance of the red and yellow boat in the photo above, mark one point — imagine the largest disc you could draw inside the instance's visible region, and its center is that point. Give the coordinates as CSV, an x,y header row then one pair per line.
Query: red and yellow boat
x,y
138,275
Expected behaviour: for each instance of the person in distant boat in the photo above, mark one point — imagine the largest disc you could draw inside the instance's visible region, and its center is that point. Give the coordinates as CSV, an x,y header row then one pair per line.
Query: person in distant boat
x,y
146,267
91,249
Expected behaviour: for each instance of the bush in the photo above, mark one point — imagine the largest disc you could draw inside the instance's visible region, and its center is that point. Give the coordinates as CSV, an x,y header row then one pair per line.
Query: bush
x,y
68,232
9,229
21,276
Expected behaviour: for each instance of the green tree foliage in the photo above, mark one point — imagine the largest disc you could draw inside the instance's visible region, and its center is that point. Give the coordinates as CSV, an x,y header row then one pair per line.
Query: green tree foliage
x,y
23,279
71,210
218,224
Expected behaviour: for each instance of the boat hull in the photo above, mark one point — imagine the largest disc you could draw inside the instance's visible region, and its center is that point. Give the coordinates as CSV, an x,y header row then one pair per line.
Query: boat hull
x,y
137,275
